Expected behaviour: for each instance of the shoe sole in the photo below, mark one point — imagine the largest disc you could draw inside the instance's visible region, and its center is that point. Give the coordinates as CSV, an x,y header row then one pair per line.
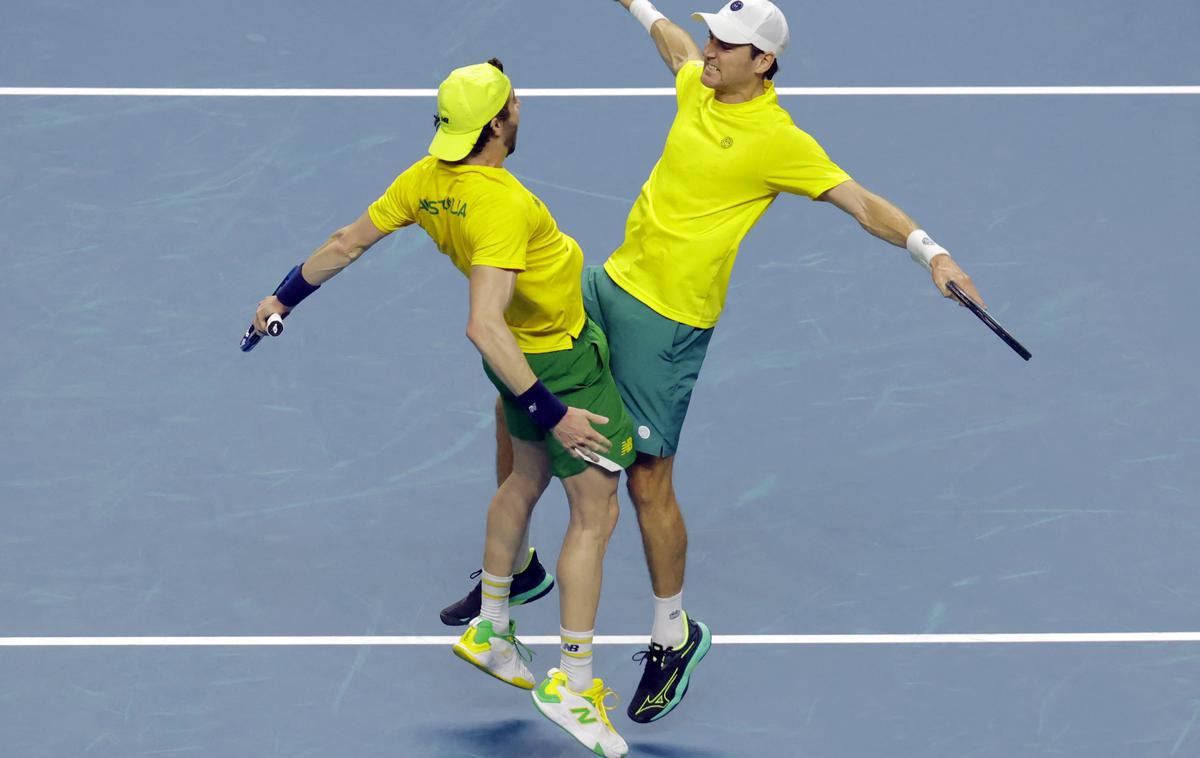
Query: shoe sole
x,y
525,597
466,656
701,651
537,704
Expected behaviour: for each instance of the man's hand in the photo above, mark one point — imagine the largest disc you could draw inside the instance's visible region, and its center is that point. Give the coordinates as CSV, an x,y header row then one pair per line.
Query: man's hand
x,y
946,270
576,432
268,306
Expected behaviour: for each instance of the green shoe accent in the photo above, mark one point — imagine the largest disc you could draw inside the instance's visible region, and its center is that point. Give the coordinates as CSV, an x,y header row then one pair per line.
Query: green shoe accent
x,y
702,648
530,595
484,631
598,750
546,697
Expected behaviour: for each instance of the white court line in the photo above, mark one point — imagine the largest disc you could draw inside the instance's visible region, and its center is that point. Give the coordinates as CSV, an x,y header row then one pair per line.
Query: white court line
x,y
718,639
582,92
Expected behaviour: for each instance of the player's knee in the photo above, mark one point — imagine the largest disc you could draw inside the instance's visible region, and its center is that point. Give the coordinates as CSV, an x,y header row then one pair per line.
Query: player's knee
x,y
528,486
650,487
599,521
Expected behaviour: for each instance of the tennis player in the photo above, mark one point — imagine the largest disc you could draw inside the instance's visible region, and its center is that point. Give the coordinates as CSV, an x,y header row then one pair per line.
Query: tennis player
x,y
730,151
546,358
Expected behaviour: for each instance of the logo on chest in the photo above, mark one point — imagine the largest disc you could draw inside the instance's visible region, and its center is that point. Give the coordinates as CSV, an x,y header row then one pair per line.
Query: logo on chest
x,y
727,143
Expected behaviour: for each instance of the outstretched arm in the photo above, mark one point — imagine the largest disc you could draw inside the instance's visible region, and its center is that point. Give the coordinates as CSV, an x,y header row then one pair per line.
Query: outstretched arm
x,y
341,249
674,44
884,220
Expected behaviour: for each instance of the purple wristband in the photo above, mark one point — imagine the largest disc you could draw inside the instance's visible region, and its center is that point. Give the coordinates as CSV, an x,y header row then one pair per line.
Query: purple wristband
x,y
542,405
294,288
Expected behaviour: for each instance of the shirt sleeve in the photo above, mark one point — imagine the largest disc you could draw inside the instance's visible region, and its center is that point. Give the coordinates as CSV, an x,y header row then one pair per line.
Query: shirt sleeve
x,y
391,211
498,232
687,79
794,162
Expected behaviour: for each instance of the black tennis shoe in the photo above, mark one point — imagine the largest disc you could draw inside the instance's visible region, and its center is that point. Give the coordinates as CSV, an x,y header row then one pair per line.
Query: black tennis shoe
x,y
527,586
667,673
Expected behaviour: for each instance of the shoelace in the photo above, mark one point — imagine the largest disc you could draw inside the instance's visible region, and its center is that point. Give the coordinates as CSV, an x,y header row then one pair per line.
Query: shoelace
x,y
602,707
655,654
523,651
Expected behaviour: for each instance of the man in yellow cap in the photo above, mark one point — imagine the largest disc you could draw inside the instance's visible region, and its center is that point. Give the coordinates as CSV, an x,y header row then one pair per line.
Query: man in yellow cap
x,y
546,358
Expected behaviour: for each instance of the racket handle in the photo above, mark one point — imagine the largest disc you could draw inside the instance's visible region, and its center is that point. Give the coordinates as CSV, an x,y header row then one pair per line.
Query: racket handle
x,y
251,338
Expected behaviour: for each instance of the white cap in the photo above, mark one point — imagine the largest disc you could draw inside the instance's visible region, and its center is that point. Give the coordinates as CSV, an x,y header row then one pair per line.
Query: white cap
x,y
749,22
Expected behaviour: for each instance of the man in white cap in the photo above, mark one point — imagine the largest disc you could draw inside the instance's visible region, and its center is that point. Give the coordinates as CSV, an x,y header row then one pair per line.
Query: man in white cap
x,y
730,151
546,358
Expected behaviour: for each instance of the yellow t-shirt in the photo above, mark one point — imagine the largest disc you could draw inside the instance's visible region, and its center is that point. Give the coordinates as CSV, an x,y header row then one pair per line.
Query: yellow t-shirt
x,y
483,216
721,168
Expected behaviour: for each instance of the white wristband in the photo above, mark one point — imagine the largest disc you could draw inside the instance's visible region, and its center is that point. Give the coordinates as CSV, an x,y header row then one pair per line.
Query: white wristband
x,y
645,13
923,249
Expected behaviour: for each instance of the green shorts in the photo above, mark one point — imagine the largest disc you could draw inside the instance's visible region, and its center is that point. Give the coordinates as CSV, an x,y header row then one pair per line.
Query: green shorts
x,y
579,377
655,361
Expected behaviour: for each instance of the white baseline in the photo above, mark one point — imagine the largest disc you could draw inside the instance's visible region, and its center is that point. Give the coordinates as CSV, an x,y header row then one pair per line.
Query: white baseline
x,y
585,92
718,639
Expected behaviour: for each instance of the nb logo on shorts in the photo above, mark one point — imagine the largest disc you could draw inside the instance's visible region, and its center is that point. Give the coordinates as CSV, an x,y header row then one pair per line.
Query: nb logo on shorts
x,y
627,446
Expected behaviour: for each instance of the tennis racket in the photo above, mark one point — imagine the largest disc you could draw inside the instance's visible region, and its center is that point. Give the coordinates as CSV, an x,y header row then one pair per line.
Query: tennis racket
x,y
987,319
252,337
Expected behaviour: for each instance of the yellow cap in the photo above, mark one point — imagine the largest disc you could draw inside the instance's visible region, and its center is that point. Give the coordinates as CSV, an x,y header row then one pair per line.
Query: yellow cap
x,y
467,101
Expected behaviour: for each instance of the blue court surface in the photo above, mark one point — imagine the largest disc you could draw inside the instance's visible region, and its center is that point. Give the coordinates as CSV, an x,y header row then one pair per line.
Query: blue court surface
x,y
862,457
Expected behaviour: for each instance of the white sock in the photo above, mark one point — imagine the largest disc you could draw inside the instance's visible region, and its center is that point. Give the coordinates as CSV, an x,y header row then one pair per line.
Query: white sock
x,y
575,658
495,600
669,629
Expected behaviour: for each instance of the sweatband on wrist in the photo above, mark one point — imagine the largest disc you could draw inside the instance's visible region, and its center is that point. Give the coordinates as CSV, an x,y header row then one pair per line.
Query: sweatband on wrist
x,y
542,405
644,12
294,288
923,249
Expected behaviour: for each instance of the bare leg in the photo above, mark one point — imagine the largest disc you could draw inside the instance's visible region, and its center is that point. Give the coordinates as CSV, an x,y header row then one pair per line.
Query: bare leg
x,y
508,514
504,467
504,447
592,496
664,535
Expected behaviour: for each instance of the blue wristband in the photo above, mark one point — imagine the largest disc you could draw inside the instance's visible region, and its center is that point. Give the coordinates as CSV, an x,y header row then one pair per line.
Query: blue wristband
x,y
294,288
542,405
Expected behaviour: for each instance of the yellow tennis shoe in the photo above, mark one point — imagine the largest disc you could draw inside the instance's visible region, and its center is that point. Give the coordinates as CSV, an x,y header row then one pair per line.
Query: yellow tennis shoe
x,y
583,715
501,655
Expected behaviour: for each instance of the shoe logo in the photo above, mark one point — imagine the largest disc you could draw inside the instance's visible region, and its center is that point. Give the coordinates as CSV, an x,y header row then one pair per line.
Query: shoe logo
x,y
585,714
659,700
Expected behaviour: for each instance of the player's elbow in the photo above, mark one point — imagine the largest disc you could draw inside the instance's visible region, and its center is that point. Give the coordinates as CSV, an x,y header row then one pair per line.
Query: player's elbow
x,y
344,247
478,332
